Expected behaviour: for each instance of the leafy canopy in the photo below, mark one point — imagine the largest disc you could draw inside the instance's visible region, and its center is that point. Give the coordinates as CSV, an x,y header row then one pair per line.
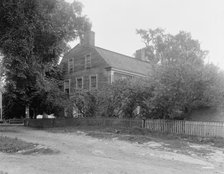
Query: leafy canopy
x,y
33,36
184,80
167,48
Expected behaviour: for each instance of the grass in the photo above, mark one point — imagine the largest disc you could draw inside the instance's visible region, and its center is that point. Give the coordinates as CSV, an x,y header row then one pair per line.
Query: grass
x,y
12,145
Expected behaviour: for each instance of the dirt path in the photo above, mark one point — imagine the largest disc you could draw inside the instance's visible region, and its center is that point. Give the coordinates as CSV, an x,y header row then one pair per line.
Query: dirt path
x,y
80,154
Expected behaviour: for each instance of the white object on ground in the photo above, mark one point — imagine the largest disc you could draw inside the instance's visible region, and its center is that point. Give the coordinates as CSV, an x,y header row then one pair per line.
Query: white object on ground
x,y
39,116
47,116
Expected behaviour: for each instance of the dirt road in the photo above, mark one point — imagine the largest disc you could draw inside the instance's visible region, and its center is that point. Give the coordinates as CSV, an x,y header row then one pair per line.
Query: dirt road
x,y
76,153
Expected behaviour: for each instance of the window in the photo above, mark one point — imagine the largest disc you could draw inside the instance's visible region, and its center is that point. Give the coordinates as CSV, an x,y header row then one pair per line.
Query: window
x,y
67,86
88,61
79,83
93,81
70,65
121,76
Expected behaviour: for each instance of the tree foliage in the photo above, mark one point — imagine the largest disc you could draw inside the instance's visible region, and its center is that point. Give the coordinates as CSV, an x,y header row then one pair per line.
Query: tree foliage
x,y
166,48
184,81
33,36
119,99
84,103
122,98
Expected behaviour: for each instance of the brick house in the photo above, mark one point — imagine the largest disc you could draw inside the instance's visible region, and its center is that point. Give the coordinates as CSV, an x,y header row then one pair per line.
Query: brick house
x,y
87,66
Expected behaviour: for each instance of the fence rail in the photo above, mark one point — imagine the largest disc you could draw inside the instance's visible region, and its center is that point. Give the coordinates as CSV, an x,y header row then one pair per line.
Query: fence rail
x,y
12,122
61,122
205,129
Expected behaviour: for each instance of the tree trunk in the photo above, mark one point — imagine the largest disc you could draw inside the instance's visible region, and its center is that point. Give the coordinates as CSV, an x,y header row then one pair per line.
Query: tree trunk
x,y
27,111
34,113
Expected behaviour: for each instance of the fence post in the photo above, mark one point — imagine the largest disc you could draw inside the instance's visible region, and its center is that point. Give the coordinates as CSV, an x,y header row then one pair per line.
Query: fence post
x,y
143,118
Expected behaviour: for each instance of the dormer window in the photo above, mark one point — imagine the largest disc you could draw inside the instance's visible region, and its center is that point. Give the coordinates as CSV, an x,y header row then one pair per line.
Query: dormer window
x,y
87,61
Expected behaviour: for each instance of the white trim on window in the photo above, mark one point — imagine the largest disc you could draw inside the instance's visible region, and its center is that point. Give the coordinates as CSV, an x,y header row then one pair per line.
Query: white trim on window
x,y
128,72
70,65
65,86
76,84
111,76
90,82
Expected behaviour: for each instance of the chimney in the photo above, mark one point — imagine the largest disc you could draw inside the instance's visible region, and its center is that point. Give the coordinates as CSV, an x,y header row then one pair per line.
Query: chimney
x,y
141,54
88,38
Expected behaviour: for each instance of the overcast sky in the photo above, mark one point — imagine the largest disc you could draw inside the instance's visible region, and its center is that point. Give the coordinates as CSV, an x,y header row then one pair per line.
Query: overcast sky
x,y
115,22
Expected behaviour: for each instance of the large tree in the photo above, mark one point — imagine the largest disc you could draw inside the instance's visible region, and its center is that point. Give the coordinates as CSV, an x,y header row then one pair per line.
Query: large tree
x,y
167,48
183,81
33,36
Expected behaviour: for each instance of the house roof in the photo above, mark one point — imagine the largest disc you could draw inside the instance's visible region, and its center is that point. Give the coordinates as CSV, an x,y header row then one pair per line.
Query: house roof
x,y
117,61
123,62
65,57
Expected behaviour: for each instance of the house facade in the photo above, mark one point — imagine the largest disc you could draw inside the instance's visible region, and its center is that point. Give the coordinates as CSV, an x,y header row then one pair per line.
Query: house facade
x,y
89,67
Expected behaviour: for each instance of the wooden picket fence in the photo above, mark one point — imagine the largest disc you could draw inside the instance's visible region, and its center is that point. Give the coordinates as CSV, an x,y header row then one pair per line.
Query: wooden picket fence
x,y
195,128
10,122
204,129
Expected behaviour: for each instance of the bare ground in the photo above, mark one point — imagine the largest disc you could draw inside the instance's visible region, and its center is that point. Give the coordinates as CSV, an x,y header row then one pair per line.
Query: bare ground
x,y
92,152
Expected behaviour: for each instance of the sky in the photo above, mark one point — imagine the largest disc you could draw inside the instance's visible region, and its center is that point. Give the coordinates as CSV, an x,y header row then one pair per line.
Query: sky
x,y
115,22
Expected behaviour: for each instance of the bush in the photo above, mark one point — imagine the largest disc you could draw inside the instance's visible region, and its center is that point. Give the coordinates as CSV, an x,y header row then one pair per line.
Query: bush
x,y
84,103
